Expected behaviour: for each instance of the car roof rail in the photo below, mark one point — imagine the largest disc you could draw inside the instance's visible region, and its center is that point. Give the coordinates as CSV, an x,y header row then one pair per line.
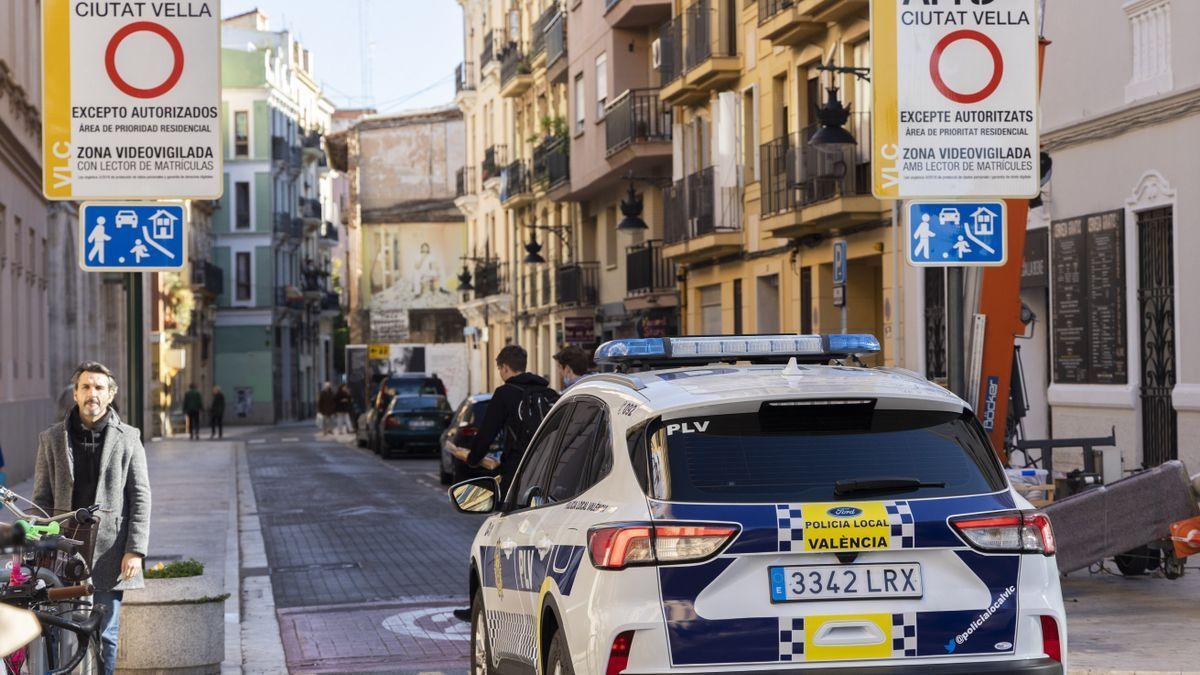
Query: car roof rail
x,y
632,381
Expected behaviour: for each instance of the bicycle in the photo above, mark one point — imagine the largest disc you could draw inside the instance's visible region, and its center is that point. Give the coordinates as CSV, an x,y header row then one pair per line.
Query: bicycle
x,y
40,563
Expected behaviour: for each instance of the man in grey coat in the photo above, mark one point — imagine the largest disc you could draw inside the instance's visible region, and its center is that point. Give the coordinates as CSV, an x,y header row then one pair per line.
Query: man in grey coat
x,y
91,457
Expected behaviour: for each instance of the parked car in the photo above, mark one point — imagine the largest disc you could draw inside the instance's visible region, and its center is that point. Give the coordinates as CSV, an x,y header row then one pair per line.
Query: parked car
x,y
412,424
404,384
462,430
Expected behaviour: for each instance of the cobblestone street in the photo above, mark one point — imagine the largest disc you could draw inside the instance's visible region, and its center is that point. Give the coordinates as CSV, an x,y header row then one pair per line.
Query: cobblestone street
x,y
365,556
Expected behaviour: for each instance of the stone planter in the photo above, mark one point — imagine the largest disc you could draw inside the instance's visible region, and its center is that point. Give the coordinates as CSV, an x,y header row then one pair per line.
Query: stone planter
x,y
173,626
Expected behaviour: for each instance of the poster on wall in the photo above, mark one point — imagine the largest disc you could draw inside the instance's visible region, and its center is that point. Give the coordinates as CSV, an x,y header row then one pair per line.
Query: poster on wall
x,y
412,266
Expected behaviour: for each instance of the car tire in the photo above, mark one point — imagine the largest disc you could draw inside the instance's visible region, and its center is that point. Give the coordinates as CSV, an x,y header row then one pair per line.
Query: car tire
x,y
481,655
558,659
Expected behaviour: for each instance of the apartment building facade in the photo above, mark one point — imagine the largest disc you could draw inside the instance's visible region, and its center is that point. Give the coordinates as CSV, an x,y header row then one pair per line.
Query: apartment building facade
x,y
271,234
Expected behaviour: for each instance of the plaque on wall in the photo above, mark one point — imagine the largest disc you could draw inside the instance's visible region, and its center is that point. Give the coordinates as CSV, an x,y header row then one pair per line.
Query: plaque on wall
x,y
1087,268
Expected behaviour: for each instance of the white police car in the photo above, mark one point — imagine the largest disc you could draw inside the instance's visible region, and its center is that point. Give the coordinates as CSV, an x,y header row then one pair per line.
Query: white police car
x,y
760,518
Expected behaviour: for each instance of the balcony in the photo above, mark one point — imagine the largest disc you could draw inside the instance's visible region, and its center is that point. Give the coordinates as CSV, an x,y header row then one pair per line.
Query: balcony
x,y
295,158
637,117
675,88
310,210
833,10
493,162
208,278
556,49
516,185
328,234
279,149
331,303
288,227
699,225
710,52
636,13
782,22
491,278
315,282
647,273
537,49
289,297
310,144
552,164
487,56
516,73
577,284
806,187
464,78
464,182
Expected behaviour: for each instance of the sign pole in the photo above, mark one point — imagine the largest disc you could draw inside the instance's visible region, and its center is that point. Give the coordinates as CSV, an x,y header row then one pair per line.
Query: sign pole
x,y
134,345
956,372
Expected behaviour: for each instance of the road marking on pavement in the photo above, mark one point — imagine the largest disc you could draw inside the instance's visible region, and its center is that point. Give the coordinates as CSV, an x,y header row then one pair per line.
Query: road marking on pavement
x,y
431,623
257,441
289,439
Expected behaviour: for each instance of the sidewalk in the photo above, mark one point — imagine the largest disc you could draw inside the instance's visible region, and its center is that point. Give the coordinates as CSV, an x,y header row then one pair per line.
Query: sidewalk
x,y
197,488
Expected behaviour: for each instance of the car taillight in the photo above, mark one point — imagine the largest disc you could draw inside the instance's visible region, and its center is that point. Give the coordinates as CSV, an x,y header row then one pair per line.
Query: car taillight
x,y
390,422
1050,641
468,432
613,547
618,656
1014,532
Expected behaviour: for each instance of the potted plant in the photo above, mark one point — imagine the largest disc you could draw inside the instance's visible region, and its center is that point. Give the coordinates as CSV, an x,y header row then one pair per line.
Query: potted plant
x,y
176,623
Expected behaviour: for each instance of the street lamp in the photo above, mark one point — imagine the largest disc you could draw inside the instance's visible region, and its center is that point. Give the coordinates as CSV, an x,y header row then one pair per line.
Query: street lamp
x,y
533,251
833,138
631,206
533,248
464,280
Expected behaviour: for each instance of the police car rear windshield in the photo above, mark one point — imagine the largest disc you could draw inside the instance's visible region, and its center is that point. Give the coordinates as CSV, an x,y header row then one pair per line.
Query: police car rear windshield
x,y
799,453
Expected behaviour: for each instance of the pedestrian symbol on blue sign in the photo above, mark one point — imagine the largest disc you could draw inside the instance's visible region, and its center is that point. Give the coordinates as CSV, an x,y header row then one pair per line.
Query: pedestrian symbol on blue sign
x,y
957,234
137,237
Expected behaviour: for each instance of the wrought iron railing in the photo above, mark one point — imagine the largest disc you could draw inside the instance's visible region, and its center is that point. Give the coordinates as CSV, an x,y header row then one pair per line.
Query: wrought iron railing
x,y
824,172
645,270
464,181
513,62
491,278
769,8
636,116
552,162
310,208
670,37
311,140
279,148
208,276
577,284
538,46
546,296
493,162
464,77
515,180
778,175
691,208
556,38
329,232
711,31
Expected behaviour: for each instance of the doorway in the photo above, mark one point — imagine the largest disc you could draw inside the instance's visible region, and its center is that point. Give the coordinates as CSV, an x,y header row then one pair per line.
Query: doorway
x,y
1156,302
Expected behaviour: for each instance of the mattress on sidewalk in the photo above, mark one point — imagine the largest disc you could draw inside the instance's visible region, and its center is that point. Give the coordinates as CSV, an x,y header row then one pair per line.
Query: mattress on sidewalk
x,y
1115,518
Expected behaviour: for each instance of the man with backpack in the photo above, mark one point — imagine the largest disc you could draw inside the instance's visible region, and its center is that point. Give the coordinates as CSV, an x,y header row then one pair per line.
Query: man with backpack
x,y
516,410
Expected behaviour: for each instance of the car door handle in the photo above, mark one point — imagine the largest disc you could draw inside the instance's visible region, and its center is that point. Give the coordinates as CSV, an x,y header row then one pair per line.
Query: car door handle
x,y
508,546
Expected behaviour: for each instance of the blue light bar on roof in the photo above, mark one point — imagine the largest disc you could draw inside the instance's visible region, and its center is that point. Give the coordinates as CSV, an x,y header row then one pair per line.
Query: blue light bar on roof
x,y
734,348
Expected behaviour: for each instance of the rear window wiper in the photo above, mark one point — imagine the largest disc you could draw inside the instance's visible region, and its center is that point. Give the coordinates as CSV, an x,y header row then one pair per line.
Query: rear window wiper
x,y
884,484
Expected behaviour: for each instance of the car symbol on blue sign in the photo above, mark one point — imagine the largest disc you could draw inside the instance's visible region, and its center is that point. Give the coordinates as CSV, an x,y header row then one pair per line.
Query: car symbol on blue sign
x,y
957,234
132,237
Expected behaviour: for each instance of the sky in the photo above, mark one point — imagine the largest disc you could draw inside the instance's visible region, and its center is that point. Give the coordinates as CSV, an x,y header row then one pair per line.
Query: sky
x,y
417,44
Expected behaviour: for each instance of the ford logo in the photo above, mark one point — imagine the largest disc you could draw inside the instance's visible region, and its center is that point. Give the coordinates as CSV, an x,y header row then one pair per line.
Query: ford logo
x,y
844,511
1003,646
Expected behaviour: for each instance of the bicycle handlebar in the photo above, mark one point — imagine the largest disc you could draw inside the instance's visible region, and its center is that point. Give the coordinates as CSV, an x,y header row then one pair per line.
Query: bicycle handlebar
x,y
70,592
83,516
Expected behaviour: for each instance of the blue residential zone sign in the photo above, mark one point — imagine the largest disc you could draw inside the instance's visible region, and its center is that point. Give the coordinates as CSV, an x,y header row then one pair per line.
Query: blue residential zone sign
x,y
957,234
132,237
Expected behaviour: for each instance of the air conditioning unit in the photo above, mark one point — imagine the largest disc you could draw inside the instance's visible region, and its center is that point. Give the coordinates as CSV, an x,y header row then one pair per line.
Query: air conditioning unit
x,y
656,53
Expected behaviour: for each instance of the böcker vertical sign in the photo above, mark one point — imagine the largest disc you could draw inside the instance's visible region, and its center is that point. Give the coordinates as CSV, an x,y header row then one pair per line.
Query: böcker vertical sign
x,y
955,98
131,99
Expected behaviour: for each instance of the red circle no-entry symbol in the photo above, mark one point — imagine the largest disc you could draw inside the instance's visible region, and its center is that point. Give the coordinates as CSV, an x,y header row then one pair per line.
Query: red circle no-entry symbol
x,y
935,66
110,59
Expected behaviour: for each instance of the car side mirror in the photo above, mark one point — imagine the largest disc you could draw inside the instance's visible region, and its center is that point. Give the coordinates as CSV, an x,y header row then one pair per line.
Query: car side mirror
x,y
478,495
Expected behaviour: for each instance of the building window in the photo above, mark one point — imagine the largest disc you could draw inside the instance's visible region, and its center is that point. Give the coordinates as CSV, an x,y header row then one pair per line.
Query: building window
x,y
243,276
768,304
601,85
241,134
750,136
241,199
580,102
737,307
610,237
710,310
1150,31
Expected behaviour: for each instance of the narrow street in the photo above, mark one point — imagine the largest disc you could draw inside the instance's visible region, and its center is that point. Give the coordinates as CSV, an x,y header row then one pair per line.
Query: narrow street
x,y
366,558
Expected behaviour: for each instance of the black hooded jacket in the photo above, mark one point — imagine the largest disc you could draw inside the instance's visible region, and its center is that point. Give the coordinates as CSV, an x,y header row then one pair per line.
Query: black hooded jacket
x,y
501,412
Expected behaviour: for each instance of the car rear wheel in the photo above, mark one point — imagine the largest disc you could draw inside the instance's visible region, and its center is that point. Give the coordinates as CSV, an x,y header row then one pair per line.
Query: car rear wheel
x,y
558,661
481,653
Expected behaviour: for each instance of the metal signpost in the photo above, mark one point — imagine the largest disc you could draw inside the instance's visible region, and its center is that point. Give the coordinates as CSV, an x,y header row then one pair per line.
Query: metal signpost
x,y
839,278
131,100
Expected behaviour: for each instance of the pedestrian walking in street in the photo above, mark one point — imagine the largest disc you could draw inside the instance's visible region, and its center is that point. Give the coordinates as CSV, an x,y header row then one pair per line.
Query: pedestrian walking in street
x,y
326,409
193,405
573,363
216,414
344,405
94,458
